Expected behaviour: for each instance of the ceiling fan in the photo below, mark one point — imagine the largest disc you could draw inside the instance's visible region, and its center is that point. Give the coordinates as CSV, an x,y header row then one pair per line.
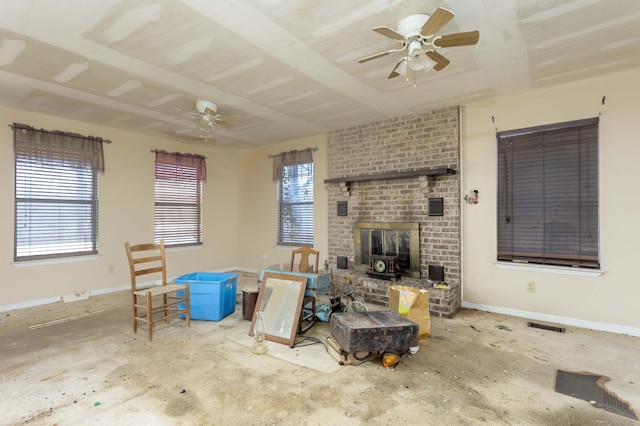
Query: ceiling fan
x,y
208,122
416,33
209,119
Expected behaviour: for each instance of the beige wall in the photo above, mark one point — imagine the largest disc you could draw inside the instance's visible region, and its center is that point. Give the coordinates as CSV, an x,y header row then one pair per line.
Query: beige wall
x,y
257,208
611,298
126,214
240,210
238,224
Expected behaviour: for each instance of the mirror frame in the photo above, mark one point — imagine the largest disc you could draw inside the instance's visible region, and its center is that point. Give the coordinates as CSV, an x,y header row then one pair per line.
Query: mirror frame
x,y
287,280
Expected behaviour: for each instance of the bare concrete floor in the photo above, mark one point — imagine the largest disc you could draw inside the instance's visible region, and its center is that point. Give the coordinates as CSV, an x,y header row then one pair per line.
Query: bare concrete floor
x,y
478,368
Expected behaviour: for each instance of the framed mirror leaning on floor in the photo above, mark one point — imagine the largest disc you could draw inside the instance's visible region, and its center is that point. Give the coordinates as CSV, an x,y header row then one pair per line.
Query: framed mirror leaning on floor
x,y
280,299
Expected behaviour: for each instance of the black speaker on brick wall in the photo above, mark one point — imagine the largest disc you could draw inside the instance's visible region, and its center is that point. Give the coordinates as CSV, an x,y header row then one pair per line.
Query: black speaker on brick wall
x,y
436,206
436,273
341,262
342,208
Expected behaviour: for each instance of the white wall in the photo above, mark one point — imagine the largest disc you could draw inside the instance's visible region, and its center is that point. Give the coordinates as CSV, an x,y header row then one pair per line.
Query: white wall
x,y
125,214
610,299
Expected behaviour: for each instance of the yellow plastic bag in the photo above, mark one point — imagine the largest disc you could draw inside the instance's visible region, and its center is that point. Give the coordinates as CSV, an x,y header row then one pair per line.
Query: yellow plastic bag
x,y
412,303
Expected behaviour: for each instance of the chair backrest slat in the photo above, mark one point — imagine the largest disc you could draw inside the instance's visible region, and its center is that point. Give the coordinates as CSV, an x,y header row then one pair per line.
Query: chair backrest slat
x,y
148,271
304,265
145,259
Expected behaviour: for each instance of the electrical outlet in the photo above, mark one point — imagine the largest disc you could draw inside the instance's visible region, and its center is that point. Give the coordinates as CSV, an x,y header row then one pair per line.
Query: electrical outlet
x,y
112,269
531,287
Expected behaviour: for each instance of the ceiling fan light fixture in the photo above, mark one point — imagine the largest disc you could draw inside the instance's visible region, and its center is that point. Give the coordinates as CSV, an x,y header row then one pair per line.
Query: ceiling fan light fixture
x,y
417,58
403,68
205,125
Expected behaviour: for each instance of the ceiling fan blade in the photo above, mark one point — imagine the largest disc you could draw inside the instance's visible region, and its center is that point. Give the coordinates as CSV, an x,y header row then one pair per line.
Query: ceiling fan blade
x,y
458,39
231,119
436,21
378,55
388,32
394,72
440,60
183,136
224,124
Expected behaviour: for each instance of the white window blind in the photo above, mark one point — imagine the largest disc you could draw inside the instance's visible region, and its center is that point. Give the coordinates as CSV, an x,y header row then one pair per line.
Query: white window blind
x,y
56,194
295,205
548,194
178,204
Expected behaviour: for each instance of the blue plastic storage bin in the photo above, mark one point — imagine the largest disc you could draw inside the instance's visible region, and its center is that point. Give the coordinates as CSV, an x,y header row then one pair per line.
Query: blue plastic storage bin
x,y
212,295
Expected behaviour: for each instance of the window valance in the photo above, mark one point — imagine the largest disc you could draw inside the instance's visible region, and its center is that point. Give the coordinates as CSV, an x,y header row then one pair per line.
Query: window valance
x,y
183,160
41,145
290,158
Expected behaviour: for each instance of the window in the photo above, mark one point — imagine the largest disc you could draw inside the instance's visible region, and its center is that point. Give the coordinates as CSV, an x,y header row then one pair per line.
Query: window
x,y
293,172
56,194
178,198
548,194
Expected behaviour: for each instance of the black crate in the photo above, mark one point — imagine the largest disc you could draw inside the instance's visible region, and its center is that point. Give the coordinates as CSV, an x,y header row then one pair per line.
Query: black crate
x,y
373,331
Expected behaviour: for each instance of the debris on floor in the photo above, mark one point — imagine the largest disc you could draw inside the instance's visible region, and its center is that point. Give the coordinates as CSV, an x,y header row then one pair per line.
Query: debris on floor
x,y
590,387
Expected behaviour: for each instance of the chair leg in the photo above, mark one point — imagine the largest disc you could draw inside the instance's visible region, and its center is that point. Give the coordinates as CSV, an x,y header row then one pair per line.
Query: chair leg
x,y
305,302
149,316
188,305
164,307
135,312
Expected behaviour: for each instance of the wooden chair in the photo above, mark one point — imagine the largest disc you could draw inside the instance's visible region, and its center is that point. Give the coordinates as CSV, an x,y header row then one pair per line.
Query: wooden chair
x,y
157,302
306,266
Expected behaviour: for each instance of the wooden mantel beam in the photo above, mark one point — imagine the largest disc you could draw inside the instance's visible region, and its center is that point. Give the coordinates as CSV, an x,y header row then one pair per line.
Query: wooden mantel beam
x,y
393,175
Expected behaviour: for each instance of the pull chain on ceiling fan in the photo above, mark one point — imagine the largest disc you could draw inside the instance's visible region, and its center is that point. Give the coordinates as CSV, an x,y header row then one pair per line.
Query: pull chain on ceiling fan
x,y
416,33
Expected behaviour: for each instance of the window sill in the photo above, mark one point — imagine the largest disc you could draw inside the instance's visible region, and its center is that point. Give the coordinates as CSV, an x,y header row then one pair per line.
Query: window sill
x,y
562,270
183,248
44,262
291,246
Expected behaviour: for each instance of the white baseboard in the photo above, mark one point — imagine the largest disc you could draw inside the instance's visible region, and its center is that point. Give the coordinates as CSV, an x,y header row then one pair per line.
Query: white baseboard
x,y
29,303
83,295
110,290
600,326
63,298
236,268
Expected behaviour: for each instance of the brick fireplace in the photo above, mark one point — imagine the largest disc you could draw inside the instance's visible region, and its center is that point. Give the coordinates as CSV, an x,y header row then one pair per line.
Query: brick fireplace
x,y
387,172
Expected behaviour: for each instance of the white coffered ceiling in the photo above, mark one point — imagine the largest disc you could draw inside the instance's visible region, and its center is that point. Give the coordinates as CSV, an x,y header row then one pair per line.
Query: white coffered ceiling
x,y
288,68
